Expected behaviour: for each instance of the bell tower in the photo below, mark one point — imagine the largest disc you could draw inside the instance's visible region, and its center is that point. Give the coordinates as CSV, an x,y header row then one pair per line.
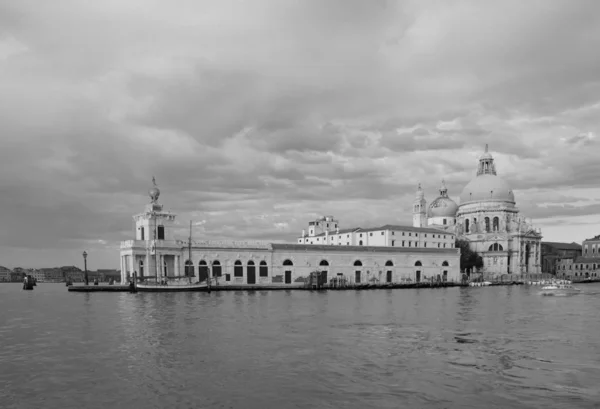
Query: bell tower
x,y
419,209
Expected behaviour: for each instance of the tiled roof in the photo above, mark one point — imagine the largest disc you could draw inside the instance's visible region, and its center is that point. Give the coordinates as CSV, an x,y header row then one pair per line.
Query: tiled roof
x,y
563,246
387,227
361,249
595,238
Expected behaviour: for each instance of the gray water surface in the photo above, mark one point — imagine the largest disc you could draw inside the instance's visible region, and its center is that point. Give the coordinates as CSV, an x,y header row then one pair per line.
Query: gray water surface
x,y
494,347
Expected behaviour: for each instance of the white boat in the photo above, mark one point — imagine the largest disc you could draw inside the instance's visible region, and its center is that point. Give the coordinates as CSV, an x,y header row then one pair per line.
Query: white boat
x,y
559,288
162,288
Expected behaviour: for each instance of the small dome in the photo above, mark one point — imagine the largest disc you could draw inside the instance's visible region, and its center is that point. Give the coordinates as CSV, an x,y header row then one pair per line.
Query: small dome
x,y
487,188
442,207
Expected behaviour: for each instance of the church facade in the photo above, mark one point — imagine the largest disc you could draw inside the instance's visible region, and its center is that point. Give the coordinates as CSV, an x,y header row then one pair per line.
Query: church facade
x,y
488,218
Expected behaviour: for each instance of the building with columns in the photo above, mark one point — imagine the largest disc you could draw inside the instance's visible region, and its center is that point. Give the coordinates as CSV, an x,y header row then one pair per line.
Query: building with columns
x,y
421,254
488,218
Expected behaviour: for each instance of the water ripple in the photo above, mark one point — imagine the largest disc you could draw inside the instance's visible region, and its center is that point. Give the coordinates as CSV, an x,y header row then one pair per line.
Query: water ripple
x,y
450,348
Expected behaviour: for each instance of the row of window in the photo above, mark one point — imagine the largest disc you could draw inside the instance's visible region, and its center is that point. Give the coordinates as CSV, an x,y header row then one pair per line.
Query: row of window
x,y
494,227
578,266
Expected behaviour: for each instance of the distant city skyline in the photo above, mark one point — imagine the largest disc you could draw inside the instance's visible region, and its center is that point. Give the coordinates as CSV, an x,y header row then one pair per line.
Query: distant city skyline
x,y
258,117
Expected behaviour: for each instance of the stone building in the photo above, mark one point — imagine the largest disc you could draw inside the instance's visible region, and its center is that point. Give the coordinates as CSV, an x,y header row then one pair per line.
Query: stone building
x,y
155,253
487,217
584,265
552,252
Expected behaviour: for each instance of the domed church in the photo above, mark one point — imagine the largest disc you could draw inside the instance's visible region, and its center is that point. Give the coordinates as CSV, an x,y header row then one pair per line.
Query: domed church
x,y
487,217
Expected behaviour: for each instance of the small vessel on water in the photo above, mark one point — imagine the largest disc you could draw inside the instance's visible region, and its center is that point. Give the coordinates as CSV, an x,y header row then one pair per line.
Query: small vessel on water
x,y
28,283
164,287
559,287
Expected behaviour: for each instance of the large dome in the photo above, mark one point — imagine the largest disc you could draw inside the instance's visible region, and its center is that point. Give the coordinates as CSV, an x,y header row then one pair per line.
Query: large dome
x,y
487,188
442,207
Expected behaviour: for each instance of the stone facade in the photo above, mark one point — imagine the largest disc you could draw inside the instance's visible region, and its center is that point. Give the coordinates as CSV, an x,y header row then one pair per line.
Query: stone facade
x,y
163,257
552,252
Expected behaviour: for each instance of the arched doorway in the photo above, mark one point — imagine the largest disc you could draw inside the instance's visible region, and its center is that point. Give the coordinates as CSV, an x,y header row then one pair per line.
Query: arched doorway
x,y
202,271
445,271
324,264
216,268
357,272
251,273
389,273
288,271
189,268
527,255
418,266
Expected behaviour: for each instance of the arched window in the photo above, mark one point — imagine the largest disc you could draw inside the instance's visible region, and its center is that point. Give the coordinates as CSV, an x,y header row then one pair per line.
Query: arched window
x,y
467,226
389,263
202,270
263,269
487,224
189,268
288,262
360,243
251,269
161,232
358,263
324,263
141,268
216,268
496,224
418,264
445,264
238,269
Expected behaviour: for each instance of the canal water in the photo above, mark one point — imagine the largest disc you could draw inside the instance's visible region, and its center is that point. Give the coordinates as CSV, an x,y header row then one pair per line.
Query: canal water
x,y
494,347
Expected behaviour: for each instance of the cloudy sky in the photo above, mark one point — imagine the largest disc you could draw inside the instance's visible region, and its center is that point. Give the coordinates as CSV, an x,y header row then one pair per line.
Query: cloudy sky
x,y
258,116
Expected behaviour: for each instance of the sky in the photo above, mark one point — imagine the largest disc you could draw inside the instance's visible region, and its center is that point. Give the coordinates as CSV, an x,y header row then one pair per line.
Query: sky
x,y
258,117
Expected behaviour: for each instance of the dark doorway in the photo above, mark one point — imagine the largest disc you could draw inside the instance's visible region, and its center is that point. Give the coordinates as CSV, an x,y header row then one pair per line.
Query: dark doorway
x,y
288,277
161,232
388,276
251,273
418,276
323,278
202,271
357,277
527,255
445,276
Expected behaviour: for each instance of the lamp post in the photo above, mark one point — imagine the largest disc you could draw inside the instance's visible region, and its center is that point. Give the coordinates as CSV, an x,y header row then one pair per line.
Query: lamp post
x,y
85,275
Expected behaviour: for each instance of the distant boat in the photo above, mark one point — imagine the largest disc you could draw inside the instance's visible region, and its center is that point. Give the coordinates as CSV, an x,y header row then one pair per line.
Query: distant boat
x,y
559,288
28,283
162,288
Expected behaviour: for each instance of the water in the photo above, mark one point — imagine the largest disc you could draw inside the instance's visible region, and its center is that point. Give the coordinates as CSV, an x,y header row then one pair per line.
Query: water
x,y
492,347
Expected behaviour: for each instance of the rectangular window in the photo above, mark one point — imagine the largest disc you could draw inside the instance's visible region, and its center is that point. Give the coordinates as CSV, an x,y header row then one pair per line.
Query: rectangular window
x,y
393,241
389,276
143,234
382,233
402,243
370,234
425,244
161,232
227,277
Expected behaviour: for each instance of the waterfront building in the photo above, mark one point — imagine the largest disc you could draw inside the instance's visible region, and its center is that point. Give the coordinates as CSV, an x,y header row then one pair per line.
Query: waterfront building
x,y
552,252
586,264
4,274
155,253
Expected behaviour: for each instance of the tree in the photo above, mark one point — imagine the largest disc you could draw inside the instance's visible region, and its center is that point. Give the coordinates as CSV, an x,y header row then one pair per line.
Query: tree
x,y
468,257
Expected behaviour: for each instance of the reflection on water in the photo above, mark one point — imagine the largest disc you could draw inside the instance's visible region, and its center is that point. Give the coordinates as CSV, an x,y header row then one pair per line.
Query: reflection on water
x,y
502,347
